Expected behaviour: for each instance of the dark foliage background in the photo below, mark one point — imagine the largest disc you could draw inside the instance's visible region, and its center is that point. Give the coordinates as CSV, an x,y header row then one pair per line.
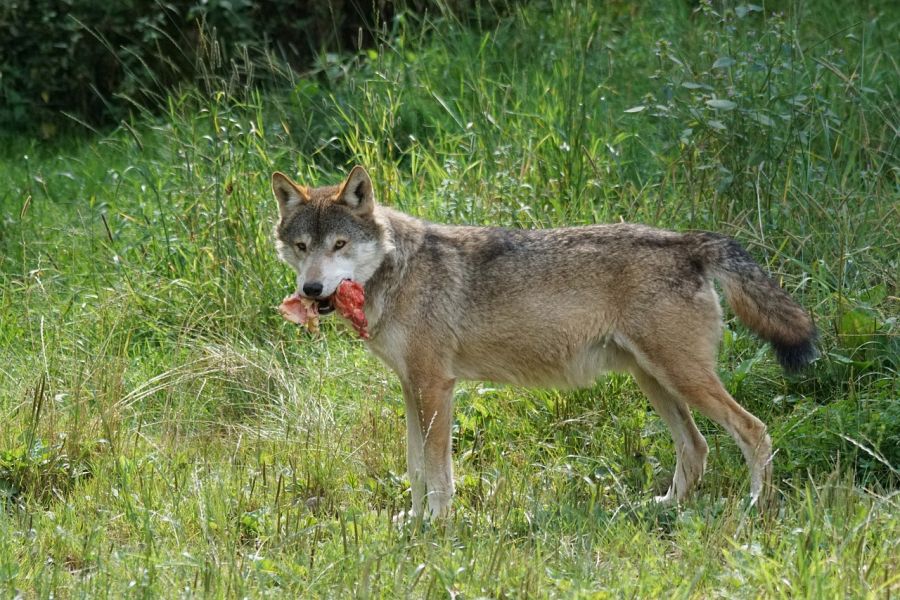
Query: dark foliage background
x,y
93,60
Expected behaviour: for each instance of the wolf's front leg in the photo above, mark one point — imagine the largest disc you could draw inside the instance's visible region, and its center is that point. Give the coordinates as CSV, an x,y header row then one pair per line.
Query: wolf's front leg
x,y
415,453
435,415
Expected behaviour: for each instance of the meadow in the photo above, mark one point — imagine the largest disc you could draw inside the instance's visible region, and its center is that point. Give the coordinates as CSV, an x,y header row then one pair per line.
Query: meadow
x,y
164,433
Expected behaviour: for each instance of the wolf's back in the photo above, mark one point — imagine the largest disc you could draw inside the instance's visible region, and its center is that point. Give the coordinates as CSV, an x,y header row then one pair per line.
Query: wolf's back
x,y
758,301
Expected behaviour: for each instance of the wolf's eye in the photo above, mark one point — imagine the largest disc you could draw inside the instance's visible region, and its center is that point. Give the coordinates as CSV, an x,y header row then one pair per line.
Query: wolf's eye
x,y
301,246
340,244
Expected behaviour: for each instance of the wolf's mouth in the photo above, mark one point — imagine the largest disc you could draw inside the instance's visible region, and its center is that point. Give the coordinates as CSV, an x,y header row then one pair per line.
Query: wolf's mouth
x,y
348,299
325,306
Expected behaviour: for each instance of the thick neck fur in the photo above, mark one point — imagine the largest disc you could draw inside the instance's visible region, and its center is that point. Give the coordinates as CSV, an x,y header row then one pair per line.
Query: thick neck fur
x,y
402,235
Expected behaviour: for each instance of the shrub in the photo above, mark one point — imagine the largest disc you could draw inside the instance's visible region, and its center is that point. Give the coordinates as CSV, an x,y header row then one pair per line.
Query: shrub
x,y
94,59
746,107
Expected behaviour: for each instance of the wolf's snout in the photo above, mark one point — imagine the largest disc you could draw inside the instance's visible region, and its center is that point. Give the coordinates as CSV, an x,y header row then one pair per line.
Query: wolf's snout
x,y
312,289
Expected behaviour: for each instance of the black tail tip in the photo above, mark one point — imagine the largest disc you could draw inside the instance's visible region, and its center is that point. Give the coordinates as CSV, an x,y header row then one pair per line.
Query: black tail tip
x,y
794,357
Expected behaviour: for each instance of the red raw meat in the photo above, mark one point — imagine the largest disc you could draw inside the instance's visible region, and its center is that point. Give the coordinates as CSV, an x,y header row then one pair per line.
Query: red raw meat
x,y
349,300
302,311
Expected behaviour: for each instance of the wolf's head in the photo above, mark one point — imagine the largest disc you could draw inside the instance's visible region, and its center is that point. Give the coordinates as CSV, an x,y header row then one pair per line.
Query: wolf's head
x,y
329,234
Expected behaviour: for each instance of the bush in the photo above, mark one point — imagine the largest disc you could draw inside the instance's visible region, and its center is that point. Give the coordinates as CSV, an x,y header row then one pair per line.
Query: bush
x,y
77,56
746,110
94,59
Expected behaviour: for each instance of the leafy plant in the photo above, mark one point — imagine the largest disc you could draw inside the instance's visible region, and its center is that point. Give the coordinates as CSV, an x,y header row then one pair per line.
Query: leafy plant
x,y
95,61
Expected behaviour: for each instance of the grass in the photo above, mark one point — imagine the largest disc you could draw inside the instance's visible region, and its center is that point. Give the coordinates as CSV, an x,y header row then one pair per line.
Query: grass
x,y
166,434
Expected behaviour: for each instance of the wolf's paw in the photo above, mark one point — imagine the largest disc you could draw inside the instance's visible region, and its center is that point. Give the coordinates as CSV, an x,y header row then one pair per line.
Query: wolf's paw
x,y
765,500
666,500
439,505
763,494
406,518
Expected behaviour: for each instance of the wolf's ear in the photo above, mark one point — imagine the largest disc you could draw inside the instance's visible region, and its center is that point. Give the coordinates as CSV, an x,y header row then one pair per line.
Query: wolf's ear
x,y
357,193
288,193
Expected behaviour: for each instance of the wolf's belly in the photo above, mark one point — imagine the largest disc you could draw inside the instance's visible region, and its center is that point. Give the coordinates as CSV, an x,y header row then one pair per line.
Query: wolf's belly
x,y
535,366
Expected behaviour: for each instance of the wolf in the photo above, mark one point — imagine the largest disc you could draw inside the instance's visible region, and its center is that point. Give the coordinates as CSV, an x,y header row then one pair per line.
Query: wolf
x,y
547,307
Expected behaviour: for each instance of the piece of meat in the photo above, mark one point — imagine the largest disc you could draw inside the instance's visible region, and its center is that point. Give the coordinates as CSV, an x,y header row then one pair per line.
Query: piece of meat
x,y
302,311
349,300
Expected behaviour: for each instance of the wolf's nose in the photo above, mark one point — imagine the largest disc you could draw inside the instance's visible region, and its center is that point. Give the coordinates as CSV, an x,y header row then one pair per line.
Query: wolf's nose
x,y
313,290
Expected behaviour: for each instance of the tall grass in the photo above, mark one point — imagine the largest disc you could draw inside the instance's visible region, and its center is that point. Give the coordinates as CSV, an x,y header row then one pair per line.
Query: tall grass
x,y
165,433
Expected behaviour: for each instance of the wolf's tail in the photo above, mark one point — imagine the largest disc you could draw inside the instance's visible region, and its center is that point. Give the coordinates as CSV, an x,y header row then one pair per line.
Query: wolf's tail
x,y
758,301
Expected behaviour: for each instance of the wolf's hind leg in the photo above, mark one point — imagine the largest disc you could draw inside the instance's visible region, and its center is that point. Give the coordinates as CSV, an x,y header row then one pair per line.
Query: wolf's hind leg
x,y
690,446
680,353
714,401
696,382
